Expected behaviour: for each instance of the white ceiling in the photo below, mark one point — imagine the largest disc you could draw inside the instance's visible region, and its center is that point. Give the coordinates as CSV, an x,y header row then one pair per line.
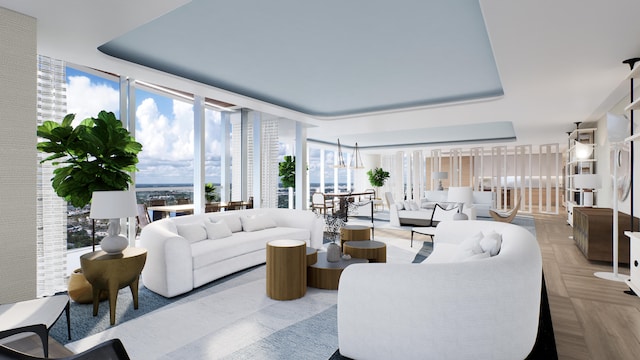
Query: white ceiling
x,y
558,62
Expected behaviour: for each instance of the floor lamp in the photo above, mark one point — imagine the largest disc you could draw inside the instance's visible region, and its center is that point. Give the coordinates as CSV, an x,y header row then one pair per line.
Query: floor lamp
x,y
617,129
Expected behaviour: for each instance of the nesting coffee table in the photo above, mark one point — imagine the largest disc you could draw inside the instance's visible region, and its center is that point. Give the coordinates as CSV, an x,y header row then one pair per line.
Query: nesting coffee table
x,y
374,251
326,275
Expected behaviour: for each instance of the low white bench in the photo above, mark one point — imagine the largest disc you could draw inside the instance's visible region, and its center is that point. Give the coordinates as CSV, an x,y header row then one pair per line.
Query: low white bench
x,y
35,316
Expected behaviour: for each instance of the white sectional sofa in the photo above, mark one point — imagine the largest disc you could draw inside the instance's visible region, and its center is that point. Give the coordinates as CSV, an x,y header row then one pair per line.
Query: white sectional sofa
x,y
186,252
458,304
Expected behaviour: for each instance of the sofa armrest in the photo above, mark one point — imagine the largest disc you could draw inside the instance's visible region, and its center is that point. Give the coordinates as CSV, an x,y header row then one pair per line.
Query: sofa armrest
x,y
168,270
453,310
394,217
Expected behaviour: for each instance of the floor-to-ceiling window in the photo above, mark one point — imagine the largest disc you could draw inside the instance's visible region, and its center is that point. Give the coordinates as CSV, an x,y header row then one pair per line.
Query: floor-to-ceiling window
x,y
164,127
214,144
88,92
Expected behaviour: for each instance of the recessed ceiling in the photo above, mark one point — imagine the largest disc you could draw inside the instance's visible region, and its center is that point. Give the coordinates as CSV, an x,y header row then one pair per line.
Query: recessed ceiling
x,y
326,59
558,62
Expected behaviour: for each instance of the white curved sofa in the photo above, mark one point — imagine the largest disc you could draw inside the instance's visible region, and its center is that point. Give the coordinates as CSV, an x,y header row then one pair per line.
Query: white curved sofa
x,y
445,308
189,251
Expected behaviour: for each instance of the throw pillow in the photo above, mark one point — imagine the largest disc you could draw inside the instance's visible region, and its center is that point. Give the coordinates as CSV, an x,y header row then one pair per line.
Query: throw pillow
x,y
399,205
256,222
483,255
192,232
414,205
491,242
469,247
217,230
232,220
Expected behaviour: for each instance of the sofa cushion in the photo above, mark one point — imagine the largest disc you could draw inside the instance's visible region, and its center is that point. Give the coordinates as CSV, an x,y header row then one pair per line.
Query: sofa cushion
x,y
491,242
192,232
482,255
256,222
469,247
217,230
232,220
209,252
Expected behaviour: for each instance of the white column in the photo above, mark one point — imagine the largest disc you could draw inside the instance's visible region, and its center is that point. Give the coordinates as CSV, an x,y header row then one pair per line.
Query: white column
x,y
302,183
198,154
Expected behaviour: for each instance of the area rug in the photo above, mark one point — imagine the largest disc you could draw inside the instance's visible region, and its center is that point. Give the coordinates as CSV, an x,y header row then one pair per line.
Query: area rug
x,y
231,318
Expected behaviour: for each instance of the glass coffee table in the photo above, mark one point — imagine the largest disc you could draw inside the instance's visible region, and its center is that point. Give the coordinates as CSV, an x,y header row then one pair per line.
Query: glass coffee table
x,y
326,275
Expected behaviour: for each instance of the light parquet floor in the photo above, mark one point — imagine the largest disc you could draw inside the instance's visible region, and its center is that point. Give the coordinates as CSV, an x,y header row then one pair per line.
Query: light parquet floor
x,y
592,318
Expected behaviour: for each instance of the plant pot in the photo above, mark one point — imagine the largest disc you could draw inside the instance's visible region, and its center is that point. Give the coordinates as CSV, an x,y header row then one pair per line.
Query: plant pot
x,y
80,290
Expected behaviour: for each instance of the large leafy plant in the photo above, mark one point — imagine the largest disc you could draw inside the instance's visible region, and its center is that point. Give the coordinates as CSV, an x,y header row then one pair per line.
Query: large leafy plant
x,y
96,155
377,176
287,171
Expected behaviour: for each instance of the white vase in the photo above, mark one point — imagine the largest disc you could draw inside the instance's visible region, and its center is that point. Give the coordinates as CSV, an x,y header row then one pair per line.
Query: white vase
x,y
333,252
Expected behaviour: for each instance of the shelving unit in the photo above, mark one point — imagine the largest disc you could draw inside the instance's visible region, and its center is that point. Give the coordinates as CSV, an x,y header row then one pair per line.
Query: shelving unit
x,y
576,164
634,237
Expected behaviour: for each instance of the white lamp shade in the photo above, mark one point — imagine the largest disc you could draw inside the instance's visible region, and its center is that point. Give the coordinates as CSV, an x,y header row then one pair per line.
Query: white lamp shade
x,y
586,181
617,127
439,175
461,195
583,151
113,204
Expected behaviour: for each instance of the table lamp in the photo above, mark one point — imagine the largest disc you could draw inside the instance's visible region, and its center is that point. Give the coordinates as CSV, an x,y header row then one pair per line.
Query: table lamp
x,y
440,175
113,205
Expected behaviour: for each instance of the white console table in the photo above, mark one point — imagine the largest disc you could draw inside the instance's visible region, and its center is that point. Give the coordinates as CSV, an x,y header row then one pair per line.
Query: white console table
x,y
634,263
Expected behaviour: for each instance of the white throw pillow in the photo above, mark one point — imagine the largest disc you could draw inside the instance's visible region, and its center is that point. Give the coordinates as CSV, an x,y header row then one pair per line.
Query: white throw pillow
x,y
256,222
483,255
217,230
232,220
399,205
469,247
414,206
192,232
491,242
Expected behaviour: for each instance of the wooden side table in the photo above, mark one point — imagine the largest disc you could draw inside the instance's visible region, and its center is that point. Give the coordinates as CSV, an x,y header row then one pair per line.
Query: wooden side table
x,y
286,269
113,272
354,233
374,251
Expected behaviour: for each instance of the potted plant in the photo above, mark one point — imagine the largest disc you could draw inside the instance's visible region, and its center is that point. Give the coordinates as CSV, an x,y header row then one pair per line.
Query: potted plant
x,y
377,177
211,193
287,173
96,155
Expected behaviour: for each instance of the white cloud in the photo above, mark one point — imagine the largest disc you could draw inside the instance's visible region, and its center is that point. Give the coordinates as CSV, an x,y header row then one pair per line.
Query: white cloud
x,y
86,99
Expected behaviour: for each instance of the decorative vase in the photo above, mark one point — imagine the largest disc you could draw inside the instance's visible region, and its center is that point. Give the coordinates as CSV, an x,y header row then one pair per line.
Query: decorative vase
x,y
333,252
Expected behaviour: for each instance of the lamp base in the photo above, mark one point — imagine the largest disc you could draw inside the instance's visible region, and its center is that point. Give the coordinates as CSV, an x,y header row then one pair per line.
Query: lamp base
x,y
114,244
611,276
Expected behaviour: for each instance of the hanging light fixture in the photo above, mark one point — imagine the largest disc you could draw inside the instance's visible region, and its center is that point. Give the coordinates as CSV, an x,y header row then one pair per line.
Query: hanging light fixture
x,y
340,163
356,158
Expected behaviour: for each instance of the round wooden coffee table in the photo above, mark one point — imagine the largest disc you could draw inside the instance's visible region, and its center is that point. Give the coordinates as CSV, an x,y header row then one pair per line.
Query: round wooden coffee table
x,y
374,251
354,233
326,275
286,269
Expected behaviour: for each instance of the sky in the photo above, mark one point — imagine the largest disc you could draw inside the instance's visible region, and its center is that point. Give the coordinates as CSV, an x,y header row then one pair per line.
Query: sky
x,y
164,127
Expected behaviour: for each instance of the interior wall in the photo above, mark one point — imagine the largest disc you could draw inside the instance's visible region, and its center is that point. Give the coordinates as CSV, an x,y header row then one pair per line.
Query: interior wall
x,y
18,156
604,195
